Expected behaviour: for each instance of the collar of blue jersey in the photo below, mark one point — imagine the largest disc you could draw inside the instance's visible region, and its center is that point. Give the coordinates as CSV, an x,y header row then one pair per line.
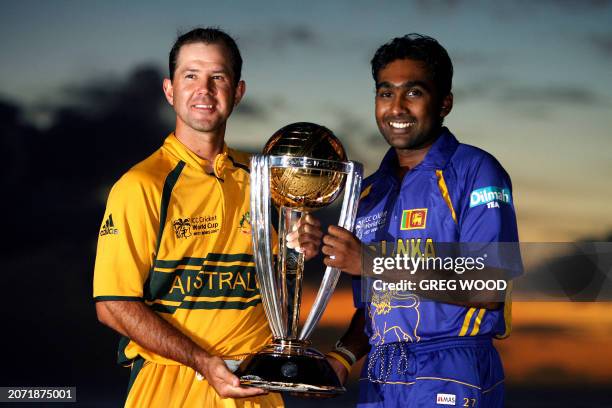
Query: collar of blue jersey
x,y
436,158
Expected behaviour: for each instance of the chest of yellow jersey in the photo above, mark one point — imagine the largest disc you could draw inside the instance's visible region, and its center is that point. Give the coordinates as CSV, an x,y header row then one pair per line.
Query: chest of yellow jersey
x,y
205,252
206,214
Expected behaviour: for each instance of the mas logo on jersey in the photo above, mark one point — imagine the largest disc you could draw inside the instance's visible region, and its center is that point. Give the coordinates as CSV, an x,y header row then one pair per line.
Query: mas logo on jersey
x,y
182,227
446,399
491,196
414,219
245,223
109,227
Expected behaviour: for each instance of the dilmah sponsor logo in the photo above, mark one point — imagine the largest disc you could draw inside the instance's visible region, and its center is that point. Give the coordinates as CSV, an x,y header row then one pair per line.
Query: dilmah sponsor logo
x,y
491,196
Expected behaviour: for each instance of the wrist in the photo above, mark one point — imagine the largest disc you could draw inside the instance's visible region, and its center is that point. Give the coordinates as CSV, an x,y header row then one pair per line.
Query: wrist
x,y
343,355
341,359
200,359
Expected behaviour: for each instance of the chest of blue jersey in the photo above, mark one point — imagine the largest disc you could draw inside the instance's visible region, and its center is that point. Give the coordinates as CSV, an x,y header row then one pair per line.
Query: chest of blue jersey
x,y
431,204
413,210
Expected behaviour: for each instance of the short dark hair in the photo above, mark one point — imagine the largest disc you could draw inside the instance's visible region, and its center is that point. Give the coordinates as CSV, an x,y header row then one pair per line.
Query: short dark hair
x,y
419,48
208,35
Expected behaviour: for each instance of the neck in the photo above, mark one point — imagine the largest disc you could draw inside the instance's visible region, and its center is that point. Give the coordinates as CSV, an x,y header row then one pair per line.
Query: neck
x,y
207,145
412,157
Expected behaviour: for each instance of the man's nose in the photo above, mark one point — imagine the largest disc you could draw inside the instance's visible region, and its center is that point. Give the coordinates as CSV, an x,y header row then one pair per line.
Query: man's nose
x,y
207,87
398,107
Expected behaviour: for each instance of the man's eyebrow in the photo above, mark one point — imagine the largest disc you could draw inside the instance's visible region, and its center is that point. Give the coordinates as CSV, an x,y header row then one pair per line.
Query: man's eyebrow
x,y
189,69
407,84
221,71
215,71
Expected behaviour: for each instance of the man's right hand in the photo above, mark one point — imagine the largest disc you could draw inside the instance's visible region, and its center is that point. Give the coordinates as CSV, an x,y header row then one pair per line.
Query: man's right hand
x,y
343,250
138,322
224,381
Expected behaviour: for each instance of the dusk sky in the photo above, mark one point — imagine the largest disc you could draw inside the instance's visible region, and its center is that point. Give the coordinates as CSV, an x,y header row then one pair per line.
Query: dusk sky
x,y
532,85
81,102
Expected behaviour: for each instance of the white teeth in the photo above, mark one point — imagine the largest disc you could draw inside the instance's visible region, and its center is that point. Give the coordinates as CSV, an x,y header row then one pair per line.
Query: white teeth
x,y
204,106
400,125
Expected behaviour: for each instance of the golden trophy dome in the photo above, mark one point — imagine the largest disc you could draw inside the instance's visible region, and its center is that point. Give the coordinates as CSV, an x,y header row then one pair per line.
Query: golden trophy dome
x,y
306,188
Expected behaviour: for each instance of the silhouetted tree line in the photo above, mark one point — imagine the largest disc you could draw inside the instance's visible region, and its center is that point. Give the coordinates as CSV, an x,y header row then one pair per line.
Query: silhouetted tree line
x,y
56,177
55,180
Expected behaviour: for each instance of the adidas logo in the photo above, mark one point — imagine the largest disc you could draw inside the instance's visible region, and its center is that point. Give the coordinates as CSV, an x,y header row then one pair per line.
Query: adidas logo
x,y
109,227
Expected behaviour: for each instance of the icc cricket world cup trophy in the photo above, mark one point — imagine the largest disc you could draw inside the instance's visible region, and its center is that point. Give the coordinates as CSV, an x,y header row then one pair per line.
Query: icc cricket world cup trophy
x,y
303,168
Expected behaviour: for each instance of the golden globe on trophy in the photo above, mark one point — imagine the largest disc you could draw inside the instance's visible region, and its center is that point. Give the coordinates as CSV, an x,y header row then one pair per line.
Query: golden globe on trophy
x,y
303,168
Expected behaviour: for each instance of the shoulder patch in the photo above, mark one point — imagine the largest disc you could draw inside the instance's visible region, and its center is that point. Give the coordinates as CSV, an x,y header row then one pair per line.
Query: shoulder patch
x,y
488,195
109,227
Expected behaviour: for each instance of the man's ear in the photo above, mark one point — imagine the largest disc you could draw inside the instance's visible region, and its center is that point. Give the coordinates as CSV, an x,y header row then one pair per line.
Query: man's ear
x,y
168,91
447,105
239,93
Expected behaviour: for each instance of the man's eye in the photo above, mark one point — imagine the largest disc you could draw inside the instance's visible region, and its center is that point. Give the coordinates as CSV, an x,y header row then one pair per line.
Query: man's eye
x,y
190,76
218,77
384,94
414,92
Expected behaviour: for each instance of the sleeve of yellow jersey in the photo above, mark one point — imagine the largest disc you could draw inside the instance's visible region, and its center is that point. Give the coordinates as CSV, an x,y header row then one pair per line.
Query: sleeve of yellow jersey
x,y
126,241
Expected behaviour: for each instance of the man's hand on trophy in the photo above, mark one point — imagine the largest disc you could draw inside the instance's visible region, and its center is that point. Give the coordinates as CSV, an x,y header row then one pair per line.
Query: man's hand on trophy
x,y
306,236
223,381
342,250
339,369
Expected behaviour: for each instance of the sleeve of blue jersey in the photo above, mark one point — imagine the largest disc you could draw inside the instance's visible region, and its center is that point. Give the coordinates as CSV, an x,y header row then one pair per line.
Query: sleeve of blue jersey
x,y
487,218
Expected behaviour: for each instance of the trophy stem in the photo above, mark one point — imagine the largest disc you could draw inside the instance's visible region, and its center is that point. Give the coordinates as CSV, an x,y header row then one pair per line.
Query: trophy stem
x,y
291,271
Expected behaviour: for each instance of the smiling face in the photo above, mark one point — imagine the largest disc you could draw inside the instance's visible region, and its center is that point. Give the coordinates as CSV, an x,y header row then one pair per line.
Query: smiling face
x,y
409,110
203,91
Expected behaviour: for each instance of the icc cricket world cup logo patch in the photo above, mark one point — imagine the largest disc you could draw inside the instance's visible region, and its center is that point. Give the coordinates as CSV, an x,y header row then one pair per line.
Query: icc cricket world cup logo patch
x,y
182,227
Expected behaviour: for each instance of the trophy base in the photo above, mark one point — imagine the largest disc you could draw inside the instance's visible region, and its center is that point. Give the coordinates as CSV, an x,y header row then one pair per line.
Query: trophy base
x,y
290,367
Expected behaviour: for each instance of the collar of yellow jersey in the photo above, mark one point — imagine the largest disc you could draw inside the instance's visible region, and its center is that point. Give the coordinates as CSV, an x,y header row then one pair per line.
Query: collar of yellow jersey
x,y
175,147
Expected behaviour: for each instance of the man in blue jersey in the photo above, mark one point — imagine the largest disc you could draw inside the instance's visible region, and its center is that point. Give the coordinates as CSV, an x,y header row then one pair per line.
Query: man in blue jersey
x,y
429,189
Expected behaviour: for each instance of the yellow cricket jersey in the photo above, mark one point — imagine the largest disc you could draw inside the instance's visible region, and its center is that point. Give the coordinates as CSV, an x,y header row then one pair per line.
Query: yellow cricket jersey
x,y
179,239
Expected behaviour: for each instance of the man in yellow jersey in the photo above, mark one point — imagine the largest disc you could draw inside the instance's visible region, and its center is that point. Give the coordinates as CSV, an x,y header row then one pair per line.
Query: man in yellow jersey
x,y
174,269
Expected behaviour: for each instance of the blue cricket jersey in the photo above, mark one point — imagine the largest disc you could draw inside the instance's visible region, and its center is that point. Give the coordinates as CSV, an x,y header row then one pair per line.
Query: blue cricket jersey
x,y
458,193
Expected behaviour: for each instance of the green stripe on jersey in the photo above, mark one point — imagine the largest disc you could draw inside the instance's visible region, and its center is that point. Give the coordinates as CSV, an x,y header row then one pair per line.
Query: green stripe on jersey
x,y
152,288
171,180
212,257
183,262
206,305
229,257
130,298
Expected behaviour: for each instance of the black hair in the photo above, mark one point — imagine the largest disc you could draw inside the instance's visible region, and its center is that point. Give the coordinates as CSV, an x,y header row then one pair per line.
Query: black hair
x,y
208,35
419,48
